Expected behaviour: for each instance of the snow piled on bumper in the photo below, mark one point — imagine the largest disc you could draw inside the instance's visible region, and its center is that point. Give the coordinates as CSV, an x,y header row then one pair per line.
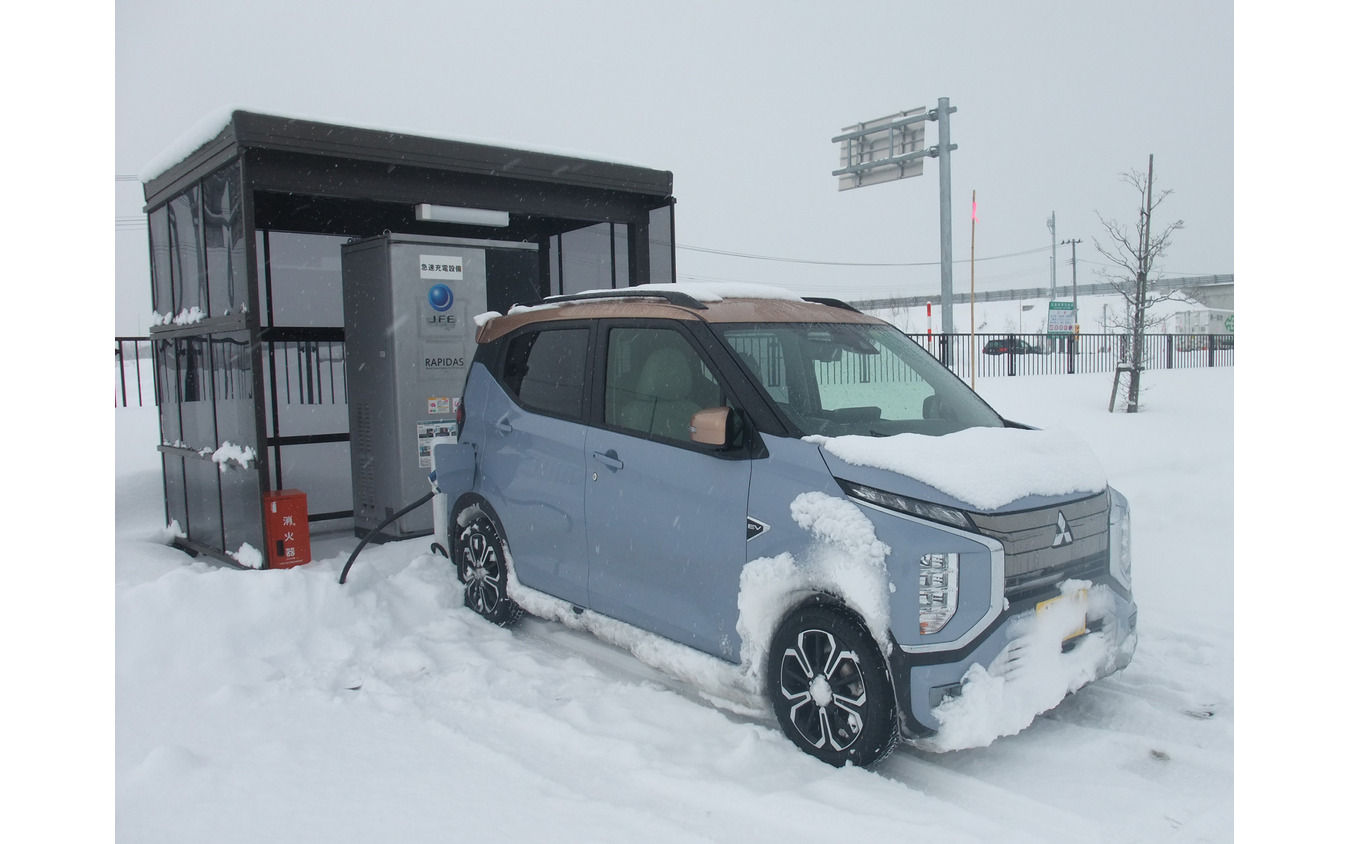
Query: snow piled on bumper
x,y
1033,673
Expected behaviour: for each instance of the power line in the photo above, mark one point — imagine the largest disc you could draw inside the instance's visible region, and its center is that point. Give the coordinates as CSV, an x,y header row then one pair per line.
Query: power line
x,y
128,222
779,259
730,254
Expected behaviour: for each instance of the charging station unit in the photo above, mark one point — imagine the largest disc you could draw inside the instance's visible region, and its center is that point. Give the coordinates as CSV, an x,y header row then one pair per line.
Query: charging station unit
x,y
409,303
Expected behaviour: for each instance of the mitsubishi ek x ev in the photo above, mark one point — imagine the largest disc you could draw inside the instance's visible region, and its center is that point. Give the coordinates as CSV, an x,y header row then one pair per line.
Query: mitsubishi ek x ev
x,y
792,501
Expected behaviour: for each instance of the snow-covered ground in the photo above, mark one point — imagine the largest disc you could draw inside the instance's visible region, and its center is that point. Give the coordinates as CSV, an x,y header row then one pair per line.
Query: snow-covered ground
x,y
282,706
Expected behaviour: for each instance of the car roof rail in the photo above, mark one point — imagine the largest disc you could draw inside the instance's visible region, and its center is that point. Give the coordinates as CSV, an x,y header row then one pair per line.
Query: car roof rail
x,y
683,300
833,303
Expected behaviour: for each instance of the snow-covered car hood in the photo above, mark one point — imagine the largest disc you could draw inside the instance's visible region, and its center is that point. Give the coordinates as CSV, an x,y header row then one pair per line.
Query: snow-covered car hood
x,y
985,469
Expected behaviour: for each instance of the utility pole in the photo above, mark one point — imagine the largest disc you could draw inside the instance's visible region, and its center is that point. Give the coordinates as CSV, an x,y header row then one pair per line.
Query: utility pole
x,y
944,148
1073,338
1073,262
1050,224
972,288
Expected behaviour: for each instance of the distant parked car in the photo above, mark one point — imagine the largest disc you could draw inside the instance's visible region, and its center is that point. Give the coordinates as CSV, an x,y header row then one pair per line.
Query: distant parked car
x,y
1011,346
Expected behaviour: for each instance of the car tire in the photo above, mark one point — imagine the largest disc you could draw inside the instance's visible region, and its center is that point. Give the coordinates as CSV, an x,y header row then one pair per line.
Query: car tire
x,y
480,555
830,688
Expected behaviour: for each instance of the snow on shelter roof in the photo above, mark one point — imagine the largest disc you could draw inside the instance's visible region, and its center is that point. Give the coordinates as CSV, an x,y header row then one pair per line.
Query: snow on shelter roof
x,y
218,136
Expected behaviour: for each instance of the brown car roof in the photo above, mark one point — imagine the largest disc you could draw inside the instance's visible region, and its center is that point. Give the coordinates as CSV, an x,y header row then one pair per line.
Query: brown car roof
x,y
630,304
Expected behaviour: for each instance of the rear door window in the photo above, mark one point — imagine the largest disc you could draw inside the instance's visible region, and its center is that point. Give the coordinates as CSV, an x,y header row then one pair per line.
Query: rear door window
x,y
545,370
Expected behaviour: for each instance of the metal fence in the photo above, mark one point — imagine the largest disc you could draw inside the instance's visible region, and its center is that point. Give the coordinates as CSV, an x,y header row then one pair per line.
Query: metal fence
x,y
309,371
998,355
135,372
315,372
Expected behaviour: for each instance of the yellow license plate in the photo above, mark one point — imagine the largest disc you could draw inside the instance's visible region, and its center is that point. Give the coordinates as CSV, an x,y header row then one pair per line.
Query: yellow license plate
x,y
1080,599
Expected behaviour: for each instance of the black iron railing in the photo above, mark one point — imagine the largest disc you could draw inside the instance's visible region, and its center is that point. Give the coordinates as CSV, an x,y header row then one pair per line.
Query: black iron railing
x,y
135,372
315,372
1035,354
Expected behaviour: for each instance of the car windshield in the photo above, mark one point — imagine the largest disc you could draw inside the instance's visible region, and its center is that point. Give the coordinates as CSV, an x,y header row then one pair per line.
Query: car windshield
x,y
836,379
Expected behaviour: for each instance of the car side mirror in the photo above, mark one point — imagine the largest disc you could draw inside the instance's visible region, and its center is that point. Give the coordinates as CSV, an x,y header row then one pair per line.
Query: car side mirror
x,y
711,426
935,408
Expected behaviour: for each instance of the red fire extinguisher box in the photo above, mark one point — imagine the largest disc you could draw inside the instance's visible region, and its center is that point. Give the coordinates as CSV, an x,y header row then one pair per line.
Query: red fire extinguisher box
x,y
287,527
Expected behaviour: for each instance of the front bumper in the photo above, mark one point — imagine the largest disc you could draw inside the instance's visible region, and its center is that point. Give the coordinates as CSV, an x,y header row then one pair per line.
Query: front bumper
x,y
1025,664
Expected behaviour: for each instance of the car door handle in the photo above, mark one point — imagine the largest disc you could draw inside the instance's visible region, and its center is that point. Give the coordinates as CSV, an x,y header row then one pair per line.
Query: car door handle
x,y
609,458
503,426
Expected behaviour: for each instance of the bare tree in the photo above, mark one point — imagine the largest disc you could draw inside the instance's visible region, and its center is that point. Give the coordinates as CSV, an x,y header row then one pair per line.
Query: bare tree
x,y
1132,252
895,312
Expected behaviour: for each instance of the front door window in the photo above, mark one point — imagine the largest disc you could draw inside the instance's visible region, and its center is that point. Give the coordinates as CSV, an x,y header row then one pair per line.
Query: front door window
x,y
655,382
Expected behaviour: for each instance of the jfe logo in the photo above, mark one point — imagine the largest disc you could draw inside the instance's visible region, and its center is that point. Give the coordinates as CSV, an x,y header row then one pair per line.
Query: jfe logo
x,y
440,297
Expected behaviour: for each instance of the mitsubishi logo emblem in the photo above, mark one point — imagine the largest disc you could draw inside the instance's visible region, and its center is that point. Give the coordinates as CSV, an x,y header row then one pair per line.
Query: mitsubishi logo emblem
x,y
1063,536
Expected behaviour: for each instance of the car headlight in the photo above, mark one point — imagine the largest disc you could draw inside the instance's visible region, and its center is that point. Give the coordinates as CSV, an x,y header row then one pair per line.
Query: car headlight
x,y
938,579
910,506
1120,538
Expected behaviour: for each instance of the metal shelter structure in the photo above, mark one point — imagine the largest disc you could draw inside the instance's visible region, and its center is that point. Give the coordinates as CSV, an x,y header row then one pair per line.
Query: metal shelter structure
x,y
246,246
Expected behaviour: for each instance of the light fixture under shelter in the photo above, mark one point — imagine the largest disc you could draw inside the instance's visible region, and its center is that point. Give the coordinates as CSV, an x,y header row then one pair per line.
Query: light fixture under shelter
x,y
468,216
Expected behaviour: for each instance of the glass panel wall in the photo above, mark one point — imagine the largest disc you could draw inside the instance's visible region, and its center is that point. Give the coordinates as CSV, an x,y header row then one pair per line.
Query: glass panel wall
x,y
552,285
661,234
587,259
160,276
175,492
232,387
204,370
240,504
166,385
593,258
195,395
303,281
202,486
305,368
187,259
223,233
309,395
620,247
322,470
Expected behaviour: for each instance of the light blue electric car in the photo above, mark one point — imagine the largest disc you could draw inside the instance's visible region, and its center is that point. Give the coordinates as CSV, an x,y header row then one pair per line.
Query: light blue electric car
x,y
729,473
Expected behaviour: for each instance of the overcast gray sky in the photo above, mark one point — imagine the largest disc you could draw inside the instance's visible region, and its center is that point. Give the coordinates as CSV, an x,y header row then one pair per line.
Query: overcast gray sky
x,y
1055,99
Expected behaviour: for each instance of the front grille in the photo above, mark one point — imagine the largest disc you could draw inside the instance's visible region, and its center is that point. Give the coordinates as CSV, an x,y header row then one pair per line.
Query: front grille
x,y
1044,583
1033,566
